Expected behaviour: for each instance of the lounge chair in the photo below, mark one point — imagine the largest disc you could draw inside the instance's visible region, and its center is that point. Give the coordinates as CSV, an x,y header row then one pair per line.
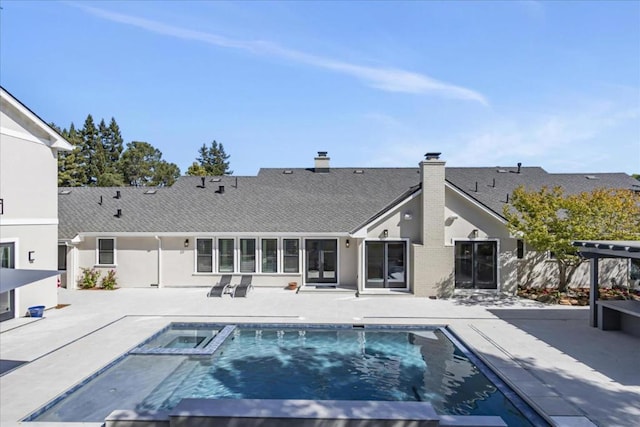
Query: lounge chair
x,y
242,289
220,288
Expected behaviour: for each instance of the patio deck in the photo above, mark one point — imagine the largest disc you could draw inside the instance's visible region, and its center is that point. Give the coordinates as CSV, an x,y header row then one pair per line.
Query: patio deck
x,y
564,367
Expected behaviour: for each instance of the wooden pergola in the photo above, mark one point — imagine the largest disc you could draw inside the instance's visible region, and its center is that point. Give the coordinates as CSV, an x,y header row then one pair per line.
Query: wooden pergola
x,y
596,249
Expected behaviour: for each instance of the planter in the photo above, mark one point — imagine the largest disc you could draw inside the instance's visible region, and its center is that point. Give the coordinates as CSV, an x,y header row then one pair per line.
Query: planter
x,y
292,286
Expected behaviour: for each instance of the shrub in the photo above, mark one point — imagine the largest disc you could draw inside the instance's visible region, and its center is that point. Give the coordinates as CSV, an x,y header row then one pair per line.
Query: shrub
x,y
89,278
109,281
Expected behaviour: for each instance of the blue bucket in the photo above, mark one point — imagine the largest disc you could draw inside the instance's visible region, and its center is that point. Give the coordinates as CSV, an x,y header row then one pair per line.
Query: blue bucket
x,y
36,311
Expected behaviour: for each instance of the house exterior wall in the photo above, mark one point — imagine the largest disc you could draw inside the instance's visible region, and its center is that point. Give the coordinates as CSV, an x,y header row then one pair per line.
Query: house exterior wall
x,y
28,171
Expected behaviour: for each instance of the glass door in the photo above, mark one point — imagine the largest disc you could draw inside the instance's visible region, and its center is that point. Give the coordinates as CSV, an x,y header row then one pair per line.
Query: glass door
x,y
385,265
7,299
476,265
322,260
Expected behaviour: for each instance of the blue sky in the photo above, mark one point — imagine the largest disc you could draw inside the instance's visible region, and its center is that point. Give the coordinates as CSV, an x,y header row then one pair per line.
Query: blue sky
x,y
374,83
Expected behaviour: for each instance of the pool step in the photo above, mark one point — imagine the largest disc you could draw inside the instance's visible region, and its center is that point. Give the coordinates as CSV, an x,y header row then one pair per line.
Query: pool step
x,y
300,413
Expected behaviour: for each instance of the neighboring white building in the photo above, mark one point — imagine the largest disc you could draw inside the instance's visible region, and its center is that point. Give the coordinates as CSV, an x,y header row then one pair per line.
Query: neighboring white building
x,y
428,231
28,208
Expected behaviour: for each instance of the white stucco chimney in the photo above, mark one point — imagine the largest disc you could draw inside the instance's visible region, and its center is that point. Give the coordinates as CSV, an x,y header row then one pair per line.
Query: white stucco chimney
x,y
432,178
321,162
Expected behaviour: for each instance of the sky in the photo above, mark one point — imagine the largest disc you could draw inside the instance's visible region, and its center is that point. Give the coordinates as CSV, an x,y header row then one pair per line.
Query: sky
x,y
374,83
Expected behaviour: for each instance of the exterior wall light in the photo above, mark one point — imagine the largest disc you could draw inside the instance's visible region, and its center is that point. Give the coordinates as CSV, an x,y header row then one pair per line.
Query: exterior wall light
x,y
32,256
385,233
186,243
347,243
408,216
474,233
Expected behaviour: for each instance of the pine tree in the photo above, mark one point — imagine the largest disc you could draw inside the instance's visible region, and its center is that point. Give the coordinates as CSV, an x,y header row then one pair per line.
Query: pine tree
x,y
69,173
212,159
91,156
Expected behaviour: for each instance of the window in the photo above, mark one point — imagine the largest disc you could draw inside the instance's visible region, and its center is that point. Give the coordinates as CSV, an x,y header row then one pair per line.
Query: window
x,y
247,255
291,255
225,255
106,251
269,255
62,257
204,249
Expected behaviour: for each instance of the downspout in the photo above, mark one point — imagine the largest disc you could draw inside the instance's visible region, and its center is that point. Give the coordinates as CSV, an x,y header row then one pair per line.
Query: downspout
x,y
159,239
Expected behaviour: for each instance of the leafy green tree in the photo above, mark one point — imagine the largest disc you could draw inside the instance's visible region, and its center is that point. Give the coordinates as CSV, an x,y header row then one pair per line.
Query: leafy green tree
x,y
165,174
142,165
549,220
636,176
213,160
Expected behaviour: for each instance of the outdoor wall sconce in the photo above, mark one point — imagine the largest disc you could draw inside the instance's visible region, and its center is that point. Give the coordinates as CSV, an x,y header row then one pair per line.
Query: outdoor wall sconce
x,y
385,233
453,218
408,216
347,243
474,233
32,256
186,243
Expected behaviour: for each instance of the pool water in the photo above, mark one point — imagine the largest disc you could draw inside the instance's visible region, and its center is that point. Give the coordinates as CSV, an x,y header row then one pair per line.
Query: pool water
x,y
292,363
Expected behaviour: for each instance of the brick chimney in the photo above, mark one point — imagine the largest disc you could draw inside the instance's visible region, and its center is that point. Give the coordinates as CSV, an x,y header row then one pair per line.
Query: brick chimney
x,y
432,179
321,163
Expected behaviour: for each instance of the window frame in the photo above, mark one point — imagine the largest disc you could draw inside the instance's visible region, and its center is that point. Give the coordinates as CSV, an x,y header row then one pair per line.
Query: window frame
x,y
285,256
242,255
197,256
220,254
113,250
263,255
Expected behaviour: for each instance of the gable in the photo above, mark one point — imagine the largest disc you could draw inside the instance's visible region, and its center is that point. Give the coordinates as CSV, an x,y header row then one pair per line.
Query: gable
x,y
20,122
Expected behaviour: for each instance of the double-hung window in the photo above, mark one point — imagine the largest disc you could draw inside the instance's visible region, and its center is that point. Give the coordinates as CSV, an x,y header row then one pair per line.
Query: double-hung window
x,y
106,251
269,255
225,255
204,258
291,254
247,255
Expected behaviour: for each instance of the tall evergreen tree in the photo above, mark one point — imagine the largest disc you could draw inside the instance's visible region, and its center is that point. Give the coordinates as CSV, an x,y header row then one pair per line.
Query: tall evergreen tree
x,y
91,157
212,161
108,154
69,172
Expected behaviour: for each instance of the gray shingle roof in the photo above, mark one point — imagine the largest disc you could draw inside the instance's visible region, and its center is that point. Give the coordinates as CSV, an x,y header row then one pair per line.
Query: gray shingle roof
x,y
494,183
298,202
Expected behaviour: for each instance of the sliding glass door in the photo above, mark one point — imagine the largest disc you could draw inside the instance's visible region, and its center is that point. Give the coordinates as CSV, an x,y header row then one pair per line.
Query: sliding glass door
x,y
476,265
385,265
7,299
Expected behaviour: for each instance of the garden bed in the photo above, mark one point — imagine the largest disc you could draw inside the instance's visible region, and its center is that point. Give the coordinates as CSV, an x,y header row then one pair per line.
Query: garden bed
x,y
575,296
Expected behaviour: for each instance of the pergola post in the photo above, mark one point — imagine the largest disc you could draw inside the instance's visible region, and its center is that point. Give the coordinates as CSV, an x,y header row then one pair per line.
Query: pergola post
x,y
593,294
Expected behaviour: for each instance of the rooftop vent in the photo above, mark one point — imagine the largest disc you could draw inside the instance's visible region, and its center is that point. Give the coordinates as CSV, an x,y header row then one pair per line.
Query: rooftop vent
x,y
118,213
591,177
358,171
519,167
322,162
203,182
502,171
432,156
287,172
220,189
151,191
117,196
64,192
215,180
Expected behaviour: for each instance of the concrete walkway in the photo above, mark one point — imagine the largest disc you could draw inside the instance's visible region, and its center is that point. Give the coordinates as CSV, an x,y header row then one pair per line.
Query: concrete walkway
x,y
576,375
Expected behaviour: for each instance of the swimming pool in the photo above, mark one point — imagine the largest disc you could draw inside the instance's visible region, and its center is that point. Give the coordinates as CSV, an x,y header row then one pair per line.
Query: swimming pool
x,y
314,362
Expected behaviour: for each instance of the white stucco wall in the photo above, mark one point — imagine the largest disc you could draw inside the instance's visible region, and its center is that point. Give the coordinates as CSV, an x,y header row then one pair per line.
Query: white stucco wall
x,y
28,188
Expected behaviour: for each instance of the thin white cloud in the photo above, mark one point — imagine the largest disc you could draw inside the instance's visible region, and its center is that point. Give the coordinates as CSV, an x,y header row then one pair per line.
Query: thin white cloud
x,y
387,79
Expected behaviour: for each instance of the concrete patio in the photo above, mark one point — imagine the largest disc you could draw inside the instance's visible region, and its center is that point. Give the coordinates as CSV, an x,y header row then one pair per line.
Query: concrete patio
x,y
574,374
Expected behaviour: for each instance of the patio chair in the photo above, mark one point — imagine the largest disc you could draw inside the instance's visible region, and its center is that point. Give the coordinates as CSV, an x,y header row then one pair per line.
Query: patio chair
x,y
242,289
221,287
